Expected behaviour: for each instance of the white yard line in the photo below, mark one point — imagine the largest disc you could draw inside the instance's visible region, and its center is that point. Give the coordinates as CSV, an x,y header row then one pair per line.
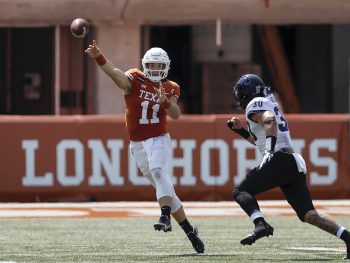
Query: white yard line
x,y
263,203
150,209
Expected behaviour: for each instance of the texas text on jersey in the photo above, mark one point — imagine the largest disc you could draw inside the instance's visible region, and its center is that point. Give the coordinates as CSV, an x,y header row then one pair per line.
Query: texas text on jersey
x,y
145,118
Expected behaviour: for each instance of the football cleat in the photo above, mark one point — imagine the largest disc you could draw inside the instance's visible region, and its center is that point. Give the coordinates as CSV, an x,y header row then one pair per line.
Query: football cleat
x,y
197,243
163,224
260,231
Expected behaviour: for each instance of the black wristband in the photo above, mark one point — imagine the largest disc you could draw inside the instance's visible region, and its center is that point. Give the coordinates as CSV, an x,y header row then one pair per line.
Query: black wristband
x,y
270,143
242,132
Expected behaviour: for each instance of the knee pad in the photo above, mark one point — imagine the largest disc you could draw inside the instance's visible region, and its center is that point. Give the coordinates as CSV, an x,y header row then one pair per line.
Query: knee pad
x,y
164,186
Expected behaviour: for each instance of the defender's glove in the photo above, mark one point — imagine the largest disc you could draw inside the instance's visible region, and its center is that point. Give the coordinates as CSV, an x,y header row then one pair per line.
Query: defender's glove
x,y
269,150
242,132
267,157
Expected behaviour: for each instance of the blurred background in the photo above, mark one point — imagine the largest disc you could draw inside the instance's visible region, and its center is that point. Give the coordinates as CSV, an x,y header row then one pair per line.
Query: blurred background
x,y
301,48
62,124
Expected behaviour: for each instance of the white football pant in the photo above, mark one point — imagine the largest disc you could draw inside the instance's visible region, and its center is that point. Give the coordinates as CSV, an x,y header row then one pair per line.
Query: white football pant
x,y
152,158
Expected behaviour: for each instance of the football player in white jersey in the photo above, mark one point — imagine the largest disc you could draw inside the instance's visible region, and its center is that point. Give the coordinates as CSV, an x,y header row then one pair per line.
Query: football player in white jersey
x,y
280,166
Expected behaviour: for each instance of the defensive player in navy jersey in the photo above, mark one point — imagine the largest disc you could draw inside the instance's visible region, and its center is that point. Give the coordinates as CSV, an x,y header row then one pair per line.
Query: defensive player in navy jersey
x,y
280,167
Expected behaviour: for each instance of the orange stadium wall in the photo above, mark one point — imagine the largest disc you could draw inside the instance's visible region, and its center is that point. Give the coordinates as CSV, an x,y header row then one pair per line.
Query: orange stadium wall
x,y
83,158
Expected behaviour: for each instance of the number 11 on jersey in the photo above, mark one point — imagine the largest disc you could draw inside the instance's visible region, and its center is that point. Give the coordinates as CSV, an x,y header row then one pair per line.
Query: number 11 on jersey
x,y
155,109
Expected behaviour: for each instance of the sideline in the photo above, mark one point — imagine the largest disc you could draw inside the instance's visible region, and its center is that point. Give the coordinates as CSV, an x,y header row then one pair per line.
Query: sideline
x,y
150,209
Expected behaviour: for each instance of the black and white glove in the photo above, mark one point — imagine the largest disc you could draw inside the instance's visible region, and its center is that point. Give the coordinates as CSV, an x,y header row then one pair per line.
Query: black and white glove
x,y
242,132
267,157
269,150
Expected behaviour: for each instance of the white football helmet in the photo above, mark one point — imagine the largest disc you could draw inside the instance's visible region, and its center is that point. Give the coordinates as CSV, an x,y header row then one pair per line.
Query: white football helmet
x,y
156,55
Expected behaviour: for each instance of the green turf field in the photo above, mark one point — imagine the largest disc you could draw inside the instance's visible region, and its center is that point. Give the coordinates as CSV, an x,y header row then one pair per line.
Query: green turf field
x,y
134,240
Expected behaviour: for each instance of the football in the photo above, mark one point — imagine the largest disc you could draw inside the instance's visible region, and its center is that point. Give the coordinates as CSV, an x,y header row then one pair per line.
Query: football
x,y
79,27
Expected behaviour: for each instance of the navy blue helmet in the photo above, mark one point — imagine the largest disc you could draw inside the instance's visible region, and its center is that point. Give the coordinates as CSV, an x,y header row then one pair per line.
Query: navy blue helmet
x,y
248,87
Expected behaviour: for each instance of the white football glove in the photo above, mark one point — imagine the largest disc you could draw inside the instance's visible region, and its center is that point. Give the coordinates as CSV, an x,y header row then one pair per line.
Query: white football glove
x,y
267,157
269,149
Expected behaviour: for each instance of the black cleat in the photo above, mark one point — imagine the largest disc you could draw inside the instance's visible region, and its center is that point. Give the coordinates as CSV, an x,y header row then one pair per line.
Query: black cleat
x,y
197,243
163,224
260,231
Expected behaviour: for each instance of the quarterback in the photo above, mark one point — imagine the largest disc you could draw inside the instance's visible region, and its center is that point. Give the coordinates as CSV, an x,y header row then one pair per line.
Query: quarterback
x,y
149,98
280,167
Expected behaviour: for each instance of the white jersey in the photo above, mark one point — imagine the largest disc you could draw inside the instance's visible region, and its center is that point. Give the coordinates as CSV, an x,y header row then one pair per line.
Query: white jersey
x,y
257,131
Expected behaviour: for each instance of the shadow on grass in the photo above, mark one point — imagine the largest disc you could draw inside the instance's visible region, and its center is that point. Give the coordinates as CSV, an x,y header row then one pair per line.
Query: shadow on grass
x,y
194,254
205,255
297,260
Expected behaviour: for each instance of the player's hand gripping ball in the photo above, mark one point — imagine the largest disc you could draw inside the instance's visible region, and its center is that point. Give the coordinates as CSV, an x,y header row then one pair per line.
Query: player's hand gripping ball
x,y
79,27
